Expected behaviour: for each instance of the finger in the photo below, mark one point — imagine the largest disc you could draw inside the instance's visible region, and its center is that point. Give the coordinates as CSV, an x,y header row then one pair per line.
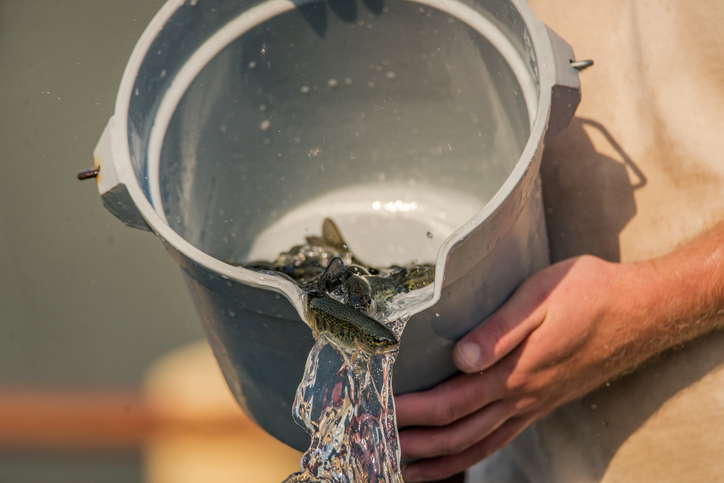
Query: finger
x,y
455,438
449,401
500,333
444,466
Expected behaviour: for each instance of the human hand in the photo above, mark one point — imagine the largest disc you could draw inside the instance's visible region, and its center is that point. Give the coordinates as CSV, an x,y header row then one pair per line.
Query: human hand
x,y
565,331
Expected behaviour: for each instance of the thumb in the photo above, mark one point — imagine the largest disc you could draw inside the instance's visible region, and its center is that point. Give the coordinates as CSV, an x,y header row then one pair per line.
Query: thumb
x,y
500,333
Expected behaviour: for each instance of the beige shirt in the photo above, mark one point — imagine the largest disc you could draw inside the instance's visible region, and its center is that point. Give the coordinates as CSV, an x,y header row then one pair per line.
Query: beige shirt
x,y
639,171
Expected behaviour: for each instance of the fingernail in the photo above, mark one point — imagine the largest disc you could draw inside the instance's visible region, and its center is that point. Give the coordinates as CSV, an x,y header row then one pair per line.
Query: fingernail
x,y
467,356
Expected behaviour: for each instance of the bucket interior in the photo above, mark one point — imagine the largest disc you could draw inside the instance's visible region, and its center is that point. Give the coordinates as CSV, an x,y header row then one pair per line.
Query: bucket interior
x,y
397,119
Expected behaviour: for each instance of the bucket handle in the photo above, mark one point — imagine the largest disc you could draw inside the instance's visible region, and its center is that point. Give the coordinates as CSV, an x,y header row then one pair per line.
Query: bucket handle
x,y
114,194
566,92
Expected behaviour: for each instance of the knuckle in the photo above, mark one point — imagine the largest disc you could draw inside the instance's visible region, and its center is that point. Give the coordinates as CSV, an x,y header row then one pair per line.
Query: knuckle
x,y
492,336
444,414
451,444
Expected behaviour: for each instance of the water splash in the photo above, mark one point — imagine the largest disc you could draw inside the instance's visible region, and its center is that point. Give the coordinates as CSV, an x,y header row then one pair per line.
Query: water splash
x,y
347,406
349,411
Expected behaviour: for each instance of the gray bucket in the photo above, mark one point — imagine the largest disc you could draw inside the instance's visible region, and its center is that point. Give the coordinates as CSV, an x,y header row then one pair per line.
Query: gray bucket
x,y
418,126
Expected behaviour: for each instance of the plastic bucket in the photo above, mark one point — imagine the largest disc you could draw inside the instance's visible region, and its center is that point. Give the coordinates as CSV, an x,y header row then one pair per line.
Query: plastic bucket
x,y
418,126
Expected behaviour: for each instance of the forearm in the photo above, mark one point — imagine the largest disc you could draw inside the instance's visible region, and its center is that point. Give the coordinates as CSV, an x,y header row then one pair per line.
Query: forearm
x,y
676,297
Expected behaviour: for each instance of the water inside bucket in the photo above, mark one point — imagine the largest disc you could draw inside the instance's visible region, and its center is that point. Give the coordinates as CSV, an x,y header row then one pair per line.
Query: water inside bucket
x,y
385,224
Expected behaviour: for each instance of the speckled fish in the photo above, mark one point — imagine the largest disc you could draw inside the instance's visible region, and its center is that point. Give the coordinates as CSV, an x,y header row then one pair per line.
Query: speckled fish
x,y
347,326
401,280
418,276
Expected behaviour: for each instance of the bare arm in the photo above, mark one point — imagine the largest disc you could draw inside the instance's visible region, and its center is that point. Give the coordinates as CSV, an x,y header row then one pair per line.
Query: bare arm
x,y
565,331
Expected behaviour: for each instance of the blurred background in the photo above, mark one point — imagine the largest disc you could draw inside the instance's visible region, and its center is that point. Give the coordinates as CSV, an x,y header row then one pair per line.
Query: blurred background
x,y
104,375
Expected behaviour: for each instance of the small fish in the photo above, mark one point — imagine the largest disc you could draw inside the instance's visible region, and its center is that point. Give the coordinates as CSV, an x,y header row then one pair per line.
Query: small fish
x,y
358,294
384,288
419,276
332,277
356,270
302,263
347,326
331,235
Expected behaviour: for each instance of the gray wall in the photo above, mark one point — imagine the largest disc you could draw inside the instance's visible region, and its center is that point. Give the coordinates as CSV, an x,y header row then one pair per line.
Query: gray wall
x,y
83,299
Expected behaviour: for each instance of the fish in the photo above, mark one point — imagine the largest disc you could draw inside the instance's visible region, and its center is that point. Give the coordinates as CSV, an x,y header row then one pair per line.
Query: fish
x,y
347,326
327,271
384,288
332,238
331,235
418,276
331,279
358,294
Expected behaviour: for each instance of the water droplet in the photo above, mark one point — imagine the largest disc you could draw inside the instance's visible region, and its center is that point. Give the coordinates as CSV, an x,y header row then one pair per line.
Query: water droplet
x,y
429,235
163,73
252,64
136,92
265,124
371,84
304,89
348,81
262,108
332,83
437,314
391,75
232,313
193,3
222,129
